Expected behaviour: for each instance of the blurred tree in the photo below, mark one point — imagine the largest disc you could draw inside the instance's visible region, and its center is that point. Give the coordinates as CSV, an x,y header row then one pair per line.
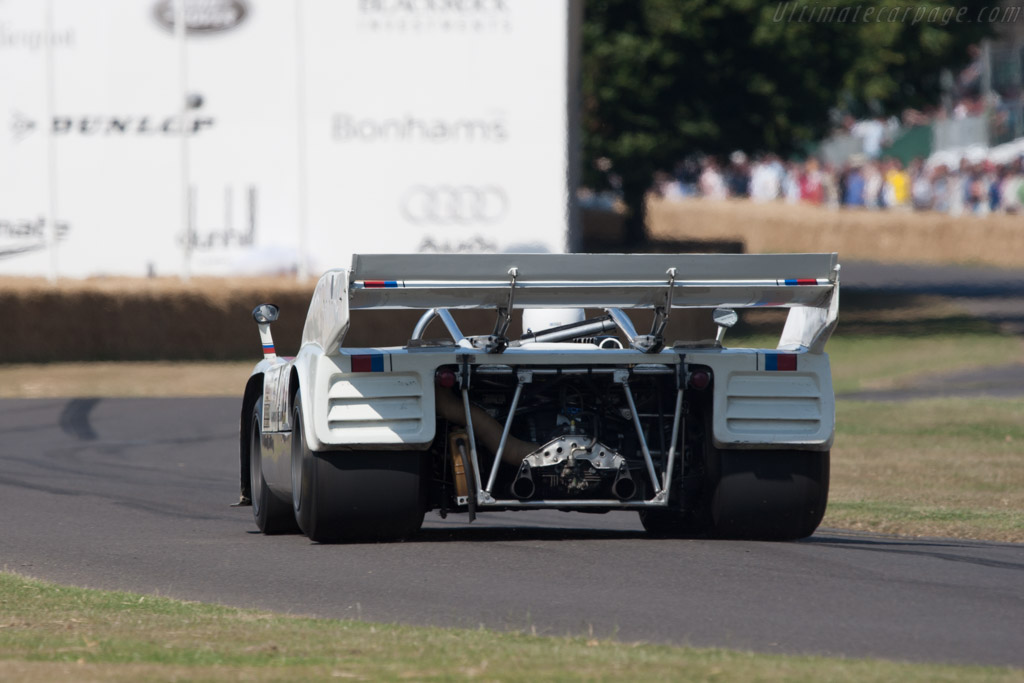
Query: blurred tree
x,y
667,78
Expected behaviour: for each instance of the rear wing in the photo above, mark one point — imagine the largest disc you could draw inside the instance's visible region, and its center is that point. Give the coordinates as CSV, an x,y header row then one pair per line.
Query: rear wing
x,y
808,284
590,280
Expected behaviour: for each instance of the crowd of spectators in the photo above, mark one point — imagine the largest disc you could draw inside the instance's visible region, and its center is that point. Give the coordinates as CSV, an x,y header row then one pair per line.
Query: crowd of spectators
x,y
871,180
970,188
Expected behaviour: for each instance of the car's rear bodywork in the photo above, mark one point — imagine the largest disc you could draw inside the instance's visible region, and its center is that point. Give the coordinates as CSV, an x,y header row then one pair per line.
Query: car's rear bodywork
x,y
591,415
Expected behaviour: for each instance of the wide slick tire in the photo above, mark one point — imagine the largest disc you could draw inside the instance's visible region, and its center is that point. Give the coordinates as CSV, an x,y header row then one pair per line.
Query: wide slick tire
x,y
273,515
666,523
768,495
355,495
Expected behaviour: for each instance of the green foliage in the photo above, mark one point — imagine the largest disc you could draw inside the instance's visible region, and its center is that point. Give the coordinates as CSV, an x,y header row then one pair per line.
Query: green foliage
x,y
665,78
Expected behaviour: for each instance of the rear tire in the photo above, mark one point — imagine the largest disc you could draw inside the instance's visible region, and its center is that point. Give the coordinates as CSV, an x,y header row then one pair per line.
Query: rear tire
x,y
668,523
767,495
354,495
272,514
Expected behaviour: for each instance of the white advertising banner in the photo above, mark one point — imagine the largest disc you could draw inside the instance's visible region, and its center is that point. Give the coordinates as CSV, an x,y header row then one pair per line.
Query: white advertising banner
x,y
315,129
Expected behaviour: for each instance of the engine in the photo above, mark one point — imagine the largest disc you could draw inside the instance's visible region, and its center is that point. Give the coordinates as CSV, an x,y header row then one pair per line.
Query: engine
x,y
573,435
574,466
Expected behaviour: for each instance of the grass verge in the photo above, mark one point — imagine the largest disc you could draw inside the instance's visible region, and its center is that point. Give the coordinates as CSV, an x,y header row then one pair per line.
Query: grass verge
x,y
859,362
891,361
941,467
895,362
49,632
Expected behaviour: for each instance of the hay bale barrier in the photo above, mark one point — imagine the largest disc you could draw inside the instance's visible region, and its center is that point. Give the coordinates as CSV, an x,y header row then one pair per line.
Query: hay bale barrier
x,y
113,318
144,319
207,319
857,234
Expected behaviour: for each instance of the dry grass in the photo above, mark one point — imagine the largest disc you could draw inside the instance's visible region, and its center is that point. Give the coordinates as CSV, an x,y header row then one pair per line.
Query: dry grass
x,y
52,633
889,236
124,379
898,361
943,467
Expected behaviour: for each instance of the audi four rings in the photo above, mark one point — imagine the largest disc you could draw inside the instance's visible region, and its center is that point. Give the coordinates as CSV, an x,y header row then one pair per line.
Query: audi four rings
x,y
454,204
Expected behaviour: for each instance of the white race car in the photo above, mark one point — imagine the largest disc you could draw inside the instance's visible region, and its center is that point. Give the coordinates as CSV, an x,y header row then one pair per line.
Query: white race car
x,y
358,443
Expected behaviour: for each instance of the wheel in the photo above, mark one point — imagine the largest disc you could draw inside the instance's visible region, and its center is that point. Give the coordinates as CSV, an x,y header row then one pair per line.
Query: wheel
x,y
767,495
353,495
664,523
684,517
272,514
755,494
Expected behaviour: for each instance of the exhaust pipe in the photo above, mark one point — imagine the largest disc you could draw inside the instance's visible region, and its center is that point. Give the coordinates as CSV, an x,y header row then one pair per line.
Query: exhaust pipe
x,y
523,487
623,487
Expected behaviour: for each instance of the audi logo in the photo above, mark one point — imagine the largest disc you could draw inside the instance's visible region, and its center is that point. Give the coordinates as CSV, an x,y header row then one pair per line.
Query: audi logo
x,y
454,204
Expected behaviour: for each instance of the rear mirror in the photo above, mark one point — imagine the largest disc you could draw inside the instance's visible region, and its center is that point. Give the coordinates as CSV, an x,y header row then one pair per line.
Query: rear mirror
x,y
725,317
265,313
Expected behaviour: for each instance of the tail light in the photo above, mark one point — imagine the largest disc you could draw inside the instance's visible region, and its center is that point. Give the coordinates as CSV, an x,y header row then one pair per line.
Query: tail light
x,y
700,379
445,378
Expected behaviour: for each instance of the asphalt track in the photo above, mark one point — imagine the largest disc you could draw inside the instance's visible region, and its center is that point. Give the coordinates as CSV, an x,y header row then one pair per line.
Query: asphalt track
x,y
134,495
995,294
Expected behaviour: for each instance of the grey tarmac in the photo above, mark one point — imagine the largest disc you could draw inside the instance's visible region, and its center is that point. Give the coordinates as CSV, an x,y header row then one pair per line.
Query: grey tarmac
x,y
134,495
993,294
